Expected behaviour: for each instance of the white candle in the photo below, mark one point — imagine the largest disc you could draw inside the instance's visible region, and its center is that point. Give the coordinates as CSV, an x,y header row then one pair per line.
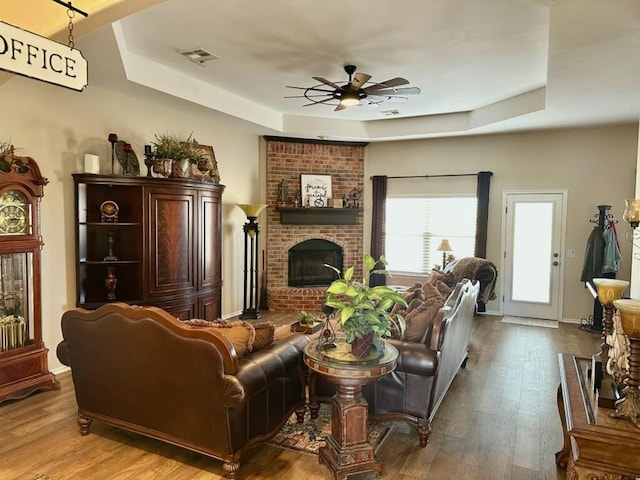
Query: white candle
x,y
91,163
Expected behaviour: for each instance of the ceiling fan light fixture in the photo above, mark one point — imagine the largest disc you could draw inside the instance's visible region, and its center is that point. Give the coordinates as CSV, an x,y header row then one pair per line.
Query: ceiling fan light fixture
x,y
350,98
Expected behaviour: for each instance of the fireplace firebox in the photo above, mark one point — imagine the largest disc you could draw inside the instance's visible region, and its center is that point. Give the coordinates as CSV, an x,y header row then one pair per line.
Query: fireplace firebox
x,y
307,262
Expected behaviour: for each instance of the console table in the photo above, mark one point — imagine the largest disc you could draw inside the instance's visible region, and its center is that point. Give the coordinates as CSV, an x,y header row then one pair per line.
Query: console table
x,y
347,450
596,446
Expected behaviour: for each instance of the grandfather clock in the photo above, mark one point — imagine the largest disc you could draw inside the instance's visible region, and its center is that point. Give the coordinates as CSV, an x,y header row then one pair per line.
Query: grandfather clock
x,y
23,356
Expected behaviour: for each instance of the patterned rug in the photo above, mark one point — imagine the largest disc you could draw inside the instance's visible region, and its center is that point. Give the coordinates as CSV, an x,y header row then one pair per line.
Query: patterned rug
x,y
309,436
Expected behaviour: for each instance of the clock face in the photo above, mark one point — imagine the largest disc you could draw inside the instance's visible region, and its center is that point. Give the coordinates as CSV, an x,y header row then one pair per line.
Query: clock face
x,y
14,213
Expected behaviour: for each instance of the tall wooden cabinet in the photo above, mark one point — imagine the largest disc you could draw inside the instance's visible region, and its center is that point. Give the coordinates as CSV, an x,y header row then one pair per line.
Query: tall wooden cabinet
x,y
149,241
23,356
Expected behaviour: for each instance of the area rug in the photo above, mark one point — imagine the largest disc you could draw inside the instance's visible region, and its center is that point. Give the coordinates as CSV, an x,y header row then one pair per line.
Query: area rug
x,y
533,322
309,436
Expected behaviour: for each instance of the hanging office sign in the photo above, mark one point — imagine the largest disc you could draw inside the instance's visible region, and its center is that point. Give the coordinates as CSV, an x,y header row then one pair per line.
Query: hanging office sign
x,y
34,56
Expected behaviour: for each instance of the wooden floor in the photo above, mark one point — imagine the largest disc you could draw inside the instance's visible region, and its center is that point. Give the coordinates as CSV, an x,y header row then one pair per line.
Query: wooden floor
x,y
498,421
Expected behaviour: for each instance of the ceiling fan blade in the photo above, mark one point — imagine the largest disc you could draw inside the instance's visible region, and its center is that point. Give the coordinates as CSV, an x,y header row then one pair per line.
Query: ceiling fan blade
x,y
340,107
327,82
308,96
314,102
408,91
359,79
393,82
390,92
313,89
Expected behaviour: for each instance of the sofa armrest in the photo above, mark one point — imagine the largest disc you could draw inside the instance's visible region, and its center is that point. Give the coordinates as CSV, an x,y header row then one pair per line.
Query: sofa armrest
x,y
415,358
62,352
258,370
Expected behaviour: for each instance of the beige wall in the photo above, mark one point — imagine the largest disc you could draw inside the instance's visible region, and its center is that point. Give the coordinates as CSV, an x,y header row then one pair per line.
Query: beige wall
x,y
595,165
57,126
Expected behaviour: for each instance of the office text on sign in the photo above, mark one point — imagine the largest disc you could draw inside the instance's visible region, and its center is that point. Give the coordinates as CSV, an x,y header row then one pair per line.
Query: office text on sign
x,y
31,55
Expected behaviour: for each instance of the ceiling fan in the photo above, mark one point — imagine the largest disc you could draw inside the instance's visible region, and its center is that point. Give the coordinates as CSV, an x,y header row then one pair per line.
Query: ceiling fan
x,y
356,89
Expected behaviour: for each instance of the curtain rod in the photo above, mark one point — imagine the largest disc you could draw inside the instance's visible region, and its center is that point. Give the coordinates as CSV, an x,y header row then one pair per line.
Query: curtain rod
x,y
434,176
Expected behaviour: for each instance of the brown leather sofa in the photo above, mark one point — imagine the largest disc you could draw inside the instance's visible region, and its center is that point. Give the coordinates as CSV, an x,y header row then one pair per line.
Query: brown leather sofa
x,y
143,370
425,369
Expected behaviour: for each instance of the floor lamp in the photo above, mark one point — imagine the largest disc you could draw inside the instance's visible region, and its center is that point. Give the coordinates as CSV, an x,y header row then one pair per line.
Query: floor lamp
x,y
251,229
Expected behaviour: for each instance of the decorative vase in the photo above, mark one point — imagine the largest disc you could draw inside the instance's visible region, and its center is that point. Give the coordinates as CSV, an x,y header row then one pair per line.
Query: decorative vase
x,y
162,166
203,166
361,347
179,168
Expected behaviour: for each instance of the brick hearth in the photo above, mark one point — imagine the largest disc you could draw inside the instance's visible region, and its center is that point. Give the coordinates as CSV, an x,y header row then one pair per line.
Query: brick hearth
x,y
287,159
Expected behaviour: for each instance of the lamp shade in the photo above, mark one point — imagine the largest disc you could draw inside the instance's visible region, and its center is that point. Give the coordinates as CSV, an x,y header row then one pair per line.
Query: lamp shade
x,y
350,98
631,212
444,246
629,316
252,210
610,289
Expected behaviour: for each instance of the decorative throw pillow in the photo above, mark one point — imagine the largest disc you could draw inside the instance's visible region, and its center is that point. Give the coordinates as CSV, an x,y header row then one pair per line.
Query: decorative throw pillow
x,y
413,293
265,335
241,334
436,275
443,288
430,291
419,320
413,304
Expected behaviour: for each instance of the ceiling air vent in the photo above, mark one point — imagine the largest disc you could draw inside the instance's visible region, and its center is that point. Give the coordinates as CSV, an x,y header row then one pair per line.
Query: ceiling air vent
x,y
390,113
198,55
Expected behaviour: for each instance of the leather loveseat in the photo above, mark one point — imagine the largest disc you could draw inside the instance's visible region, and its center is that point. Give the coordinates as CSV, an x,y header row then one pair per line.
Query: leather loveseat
x,y
142,370
425,367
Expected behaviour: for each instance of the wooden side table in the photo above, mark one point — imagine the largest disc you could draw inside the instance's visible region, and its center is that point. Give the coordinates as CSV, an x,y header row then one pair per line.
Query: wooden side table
x,y
596,446
347,450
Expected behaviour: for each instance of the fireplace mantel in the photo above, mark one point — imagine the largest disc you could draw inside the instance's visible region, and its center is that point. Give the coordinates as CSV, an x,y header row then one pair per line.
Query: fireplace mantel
x,y
318,216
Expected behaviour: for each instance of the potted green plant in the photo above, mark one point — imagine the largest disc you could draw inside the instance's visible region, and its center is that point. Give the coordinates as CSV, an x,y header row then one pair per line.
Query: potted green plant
x,y
306,323
181,152
364,312
306,318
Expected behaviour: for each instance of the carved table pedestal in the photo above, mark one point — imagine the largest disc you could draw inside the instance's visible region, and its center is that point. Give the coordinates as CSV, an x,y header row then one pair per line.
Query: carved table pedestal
x,y
347,449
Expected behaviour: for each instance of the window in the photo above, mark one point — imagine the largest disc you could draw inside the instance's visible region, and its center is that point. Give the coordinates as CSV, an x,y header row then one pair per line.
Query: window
x,y
415,226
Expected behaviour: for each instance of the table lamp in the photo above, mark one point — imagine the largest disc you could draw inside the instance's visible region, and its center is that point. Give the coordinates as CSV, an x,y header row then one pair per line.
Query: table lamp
x,y
444,247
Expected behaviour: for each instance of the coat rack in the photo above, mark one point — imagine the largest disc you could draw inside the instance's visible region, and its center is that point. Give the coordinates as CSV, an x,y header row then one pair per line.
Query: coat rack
x,y
602,219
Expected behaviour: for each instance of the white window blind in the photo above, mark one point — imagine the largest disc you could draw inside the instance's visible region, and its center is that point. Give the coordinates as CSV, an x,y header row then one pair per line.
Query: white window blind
x,y
415,226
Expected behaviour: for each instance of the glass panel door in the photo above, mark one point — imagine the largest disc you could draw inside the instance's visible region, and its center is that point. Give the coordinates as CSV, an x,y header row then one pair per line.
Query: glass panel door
x,y
532,270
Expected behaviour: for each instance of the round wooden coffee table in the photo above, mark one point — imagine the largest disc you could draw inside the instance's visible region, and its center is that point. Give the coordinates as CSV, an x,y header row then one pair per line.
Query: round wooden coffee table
x,y
347,450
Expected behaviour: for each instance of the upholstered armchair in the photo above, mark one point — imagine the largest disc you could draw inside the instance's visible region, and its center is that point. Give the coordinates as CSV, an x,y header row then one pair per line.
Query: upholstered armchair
x,y
476,268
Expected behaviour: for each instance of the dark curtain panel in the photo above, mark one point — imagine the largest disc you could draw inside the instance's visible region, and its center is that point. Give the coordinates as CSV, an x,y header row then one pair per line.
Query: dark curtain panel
x,y
377,224
484,182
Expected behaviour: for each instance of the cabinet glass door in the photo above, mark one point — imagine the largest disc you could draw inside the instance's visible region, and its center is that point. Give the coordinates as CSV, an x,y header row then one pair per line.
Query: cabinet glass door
x,y
16,309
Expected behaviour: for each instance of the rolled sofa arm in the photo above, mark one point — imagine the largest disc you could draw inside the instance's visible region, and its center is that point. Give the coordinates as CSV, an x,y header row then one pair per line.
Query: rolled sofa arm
x,y
62,353
258,370
416,358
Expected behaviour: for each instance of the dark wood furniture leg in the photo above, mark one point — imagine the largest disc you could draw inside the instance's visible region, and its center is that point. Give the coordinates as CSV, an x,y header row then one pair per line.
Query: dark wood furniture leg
x,y
562,456
347,449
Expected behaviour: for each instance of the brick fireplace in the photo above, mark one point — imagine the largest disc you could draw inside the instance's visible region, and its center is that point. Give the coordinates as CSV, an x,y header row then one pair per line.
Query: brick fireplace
x,y
287,159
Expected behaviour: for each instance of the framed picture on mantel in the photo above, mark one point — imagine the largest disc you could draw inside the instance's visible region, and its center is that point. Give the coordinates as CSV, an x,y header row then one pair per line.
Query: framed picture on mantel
x,y
315,190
